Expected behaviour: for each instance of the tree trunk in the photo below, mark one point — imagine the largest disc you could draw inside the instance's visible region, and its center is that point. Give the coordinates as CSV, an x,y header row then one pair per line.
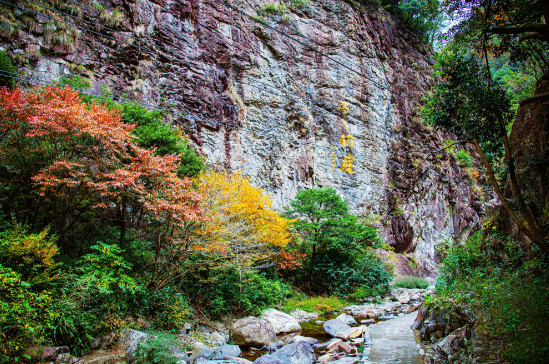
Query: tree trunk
x,y
534,236
313,254
123,222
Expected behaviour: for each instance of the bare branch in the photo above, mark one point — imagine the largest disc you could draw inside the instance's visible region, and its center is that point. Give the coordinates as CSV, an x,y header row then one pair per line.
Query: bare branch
x,y
530,28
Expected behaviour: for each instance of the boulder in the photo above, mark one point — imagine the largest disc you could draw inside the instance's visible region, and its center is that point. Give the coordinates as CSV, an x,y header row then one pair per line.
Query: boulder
x,y
66,358
328,345
268,359
402,295
226,350
297,338
347,319
303,316
179,354
346,348
130,339
200,350
335,326
300,352
251,331
282,322
218,338
351,333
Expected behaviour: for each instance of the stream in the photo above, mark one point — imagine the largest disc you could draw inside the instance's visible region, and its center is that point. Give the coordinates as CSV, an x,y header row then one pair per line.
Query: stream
x,y
362,312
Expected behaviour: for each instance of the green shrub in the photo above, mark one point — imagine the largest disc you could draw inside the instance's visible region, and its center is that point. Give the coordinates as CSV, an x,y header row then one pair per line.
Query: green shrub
x,y
30,255
76,82
24,316
272,9
28,272
156,349
172,309
226,291
465,159
505,289
7,66
410,282
299,4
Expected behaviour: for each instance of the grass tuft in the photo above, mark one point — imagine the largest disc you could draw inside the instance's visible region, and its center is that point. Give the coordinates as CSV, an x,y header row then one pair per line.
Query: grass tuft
x,y
410,282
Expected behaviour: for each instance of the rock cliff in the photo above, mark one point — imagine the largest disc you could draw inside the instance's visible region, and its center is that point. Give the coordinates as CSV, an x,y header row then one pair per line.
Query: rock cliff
x,y
265,99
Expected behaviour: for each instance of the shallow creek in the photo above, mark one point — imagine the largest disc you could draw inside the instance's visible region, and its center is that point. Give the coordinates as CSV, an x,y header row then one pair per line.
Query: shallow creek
x,y
316,330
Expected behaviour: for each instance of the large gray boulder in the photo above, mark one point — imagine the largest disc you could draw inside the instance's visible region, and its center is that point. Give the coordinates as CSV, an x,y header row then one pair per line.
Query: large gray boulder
x,y
251,331
226,350
268,359
346,319
300,352
335,326
282,322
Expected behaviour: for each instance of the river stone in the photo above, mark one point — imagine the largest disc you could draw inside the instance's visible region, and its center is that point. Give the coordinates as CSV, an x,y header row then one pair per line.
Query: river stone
x,y
177,353
251,331
217,337
226,350
268,359
300,352
328,345
346,348
130,339
200,350
335,326
282,322
347,319
297,338
351,333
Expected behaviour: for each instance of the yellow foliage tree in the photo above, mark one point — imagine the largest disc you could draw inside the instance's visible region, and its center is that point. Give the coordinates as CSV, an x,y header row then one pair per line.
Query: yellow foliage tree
x,y
241,223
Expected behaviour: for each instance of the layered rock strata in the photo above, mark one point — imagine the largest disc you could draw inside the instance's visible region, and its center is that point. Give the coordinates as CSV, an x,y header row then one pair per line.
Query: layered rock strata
x,y
262,95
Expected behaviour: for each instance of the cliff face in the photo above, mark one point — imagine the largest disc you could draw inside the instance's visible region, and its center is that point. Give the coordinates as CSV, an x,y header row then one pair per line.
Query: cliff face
x,y
265,100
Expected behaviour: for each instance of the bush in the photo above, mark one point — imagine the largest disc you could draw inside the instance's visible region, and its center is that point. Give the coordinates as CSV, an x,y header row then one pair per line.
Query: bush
x,y
410,282
27,271
30,255
505,289
24,316
226,291
172,309
157,349
7,66
465,159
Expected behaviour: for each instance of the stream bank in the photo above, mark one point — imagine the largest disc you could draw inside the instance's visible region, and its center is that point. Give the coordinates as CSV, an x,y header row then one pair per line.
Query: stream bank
x,y
341,337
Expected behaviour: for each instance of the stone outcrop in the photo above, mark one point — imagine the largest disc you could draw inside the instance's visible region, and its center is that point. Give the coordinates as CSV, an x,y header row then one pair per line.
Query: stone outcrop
x,y
335,326
282,322
300,352
251,331
264,100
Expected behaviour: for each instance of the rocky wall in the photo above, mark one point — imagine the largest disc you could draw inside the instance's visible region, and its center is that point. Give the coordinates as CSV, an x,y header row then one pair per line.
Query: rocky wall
x,y
264,100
